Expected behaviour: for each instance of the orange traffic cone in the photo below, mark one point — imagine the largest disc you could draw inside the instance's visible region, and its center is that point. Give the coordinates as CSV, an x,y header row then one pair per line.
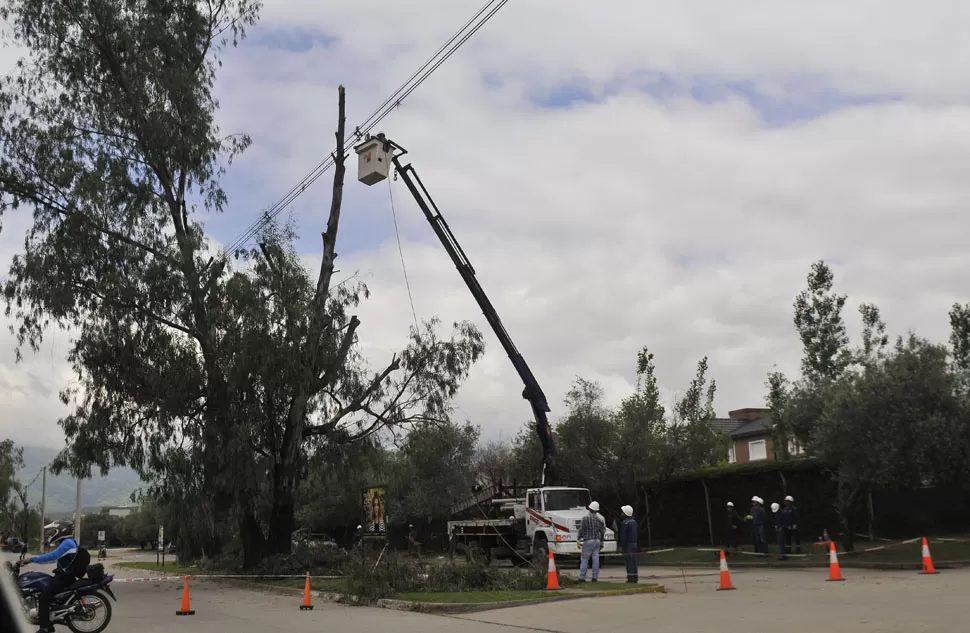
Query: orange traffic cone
x,y
835,572
307,605
927,560
725,575
186,603
553,579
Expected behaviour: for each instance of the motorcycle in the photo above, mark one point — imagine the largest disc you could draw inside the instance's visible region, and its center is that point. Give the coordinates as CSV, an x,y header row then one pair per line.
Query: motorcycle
x,y
81,607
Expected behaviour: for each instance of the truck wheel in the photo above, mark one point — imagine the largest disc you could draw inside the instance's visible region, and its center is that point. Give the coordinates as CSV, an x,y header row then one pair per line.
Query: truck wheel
x,y
540,551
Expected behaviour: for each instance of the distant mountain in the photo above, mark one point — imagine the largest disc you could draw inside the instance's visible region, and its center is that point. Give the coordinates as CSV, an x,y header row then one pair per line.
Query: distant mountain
x,y
113,490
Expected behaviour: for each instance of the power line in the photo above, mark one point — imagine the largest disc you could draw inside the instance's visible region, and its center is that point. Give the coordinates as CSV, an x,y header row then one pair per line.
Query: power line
x,y
400,250
456,41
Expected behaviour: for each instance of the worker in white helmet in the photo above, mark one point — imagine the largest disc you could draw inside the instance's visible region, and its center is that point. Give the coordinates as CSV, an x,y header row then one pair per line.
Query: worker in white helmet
x,y
732,528
591,534
777,525
628,541
789,516
758,517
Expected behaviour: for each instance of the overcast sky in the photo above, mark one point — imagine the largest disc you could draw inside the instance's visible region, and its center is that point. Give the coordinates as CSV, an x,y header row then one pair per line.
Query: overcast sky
x,y
620,174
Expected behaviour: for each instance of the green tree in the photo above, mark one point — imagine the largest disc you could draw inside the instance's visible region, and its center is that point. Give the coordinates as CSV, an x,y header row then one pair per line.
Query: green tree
x,y
432,469
641,426
818,319
586,437
778,398
960,344
893,423
11,490
209,381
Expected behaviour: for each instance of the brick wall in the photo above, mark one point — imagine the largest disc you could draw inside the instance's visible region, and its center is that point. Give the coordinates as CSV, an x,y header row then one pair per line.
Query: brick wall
x,y
741,452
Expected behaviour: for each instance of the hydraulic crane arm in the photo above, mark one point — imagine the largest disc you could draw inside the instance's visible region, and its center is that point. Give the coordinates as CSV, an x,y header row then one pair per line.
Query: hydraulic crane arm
x,y
389,150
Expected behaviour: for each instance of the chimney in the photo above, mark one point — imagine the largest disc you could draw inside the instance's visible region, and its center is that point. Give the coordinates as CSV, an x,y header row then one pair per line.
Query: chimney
x,y
749,414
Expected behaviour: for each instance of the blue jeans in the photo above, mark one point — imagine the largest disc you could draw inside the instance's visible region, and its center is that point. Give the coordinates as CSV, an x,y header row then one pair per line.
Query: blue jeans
x,y
630,554
591,548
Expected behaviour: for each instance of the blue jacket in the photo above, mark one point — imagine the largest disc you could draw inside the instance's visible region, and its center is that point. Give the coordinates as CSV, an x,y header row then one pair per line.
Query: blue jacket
x,y
65,555
628,533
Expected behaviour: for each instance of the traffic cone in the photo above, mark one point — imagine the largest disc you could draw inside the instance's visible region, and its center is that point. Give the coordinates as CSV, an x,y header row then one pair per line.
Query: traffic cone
x,y
725,575
835,572
552,583
927,560
186,603
307,605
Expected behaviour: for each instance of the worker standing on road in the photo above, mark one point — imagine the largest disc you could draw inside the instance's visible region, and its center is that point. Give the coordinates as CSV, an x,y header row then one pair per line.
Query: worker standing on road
x,y
591,533
790,514
628,541
758,518
732,527
778,523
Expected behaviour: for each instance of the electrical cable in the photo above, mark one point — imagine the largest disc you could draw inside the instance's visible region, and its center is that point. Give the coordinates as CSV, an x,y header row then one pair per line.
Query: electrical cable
x,y
400,250
423,73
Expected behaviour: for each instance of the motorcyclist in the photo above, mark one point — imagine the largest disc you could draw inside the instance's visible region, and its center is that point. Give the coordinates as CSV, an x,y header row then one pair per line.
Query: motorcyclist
x,y
72,563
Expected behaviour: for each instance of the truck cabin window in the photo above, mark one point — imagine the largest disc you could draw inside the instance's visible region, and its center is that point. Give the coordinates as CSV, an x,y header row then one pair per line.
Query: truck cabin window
x,y
565,499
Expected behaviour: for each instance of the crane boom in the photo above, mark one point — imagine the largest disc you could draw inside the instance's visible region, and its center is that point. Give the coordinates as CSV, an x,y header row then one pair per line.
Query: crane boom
x,y
390,151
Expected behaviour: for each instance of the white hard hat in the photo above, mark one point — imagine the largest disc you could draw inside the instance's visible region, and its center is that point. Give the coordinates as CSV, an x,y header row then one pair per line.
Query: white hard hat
x,y
594,506
360,527
790,498
757,499
627,510
774,507
730,504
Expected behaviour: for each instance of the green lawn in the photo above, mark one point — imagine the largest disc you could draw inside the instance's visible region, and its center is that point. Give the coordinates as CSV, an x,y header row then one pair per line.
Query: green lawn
x,y
479,597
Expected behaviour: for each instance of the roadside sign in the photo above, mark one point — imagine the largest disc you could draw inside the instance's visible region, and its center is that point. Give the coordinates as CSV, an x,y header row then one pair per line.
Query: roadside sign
x,y
161,538
101,538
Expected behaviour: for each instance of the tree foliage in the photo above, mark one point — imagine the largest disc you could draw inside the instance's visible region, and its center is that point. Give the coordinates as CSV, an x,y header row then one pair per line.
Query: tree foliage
x,y
211,373
818,320
877,416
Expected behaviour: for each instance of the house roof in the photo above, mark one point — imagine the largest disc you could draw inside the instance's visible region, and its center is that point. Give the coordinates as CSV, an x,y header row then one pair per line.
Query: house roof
x,y
738,429
726,425
761,426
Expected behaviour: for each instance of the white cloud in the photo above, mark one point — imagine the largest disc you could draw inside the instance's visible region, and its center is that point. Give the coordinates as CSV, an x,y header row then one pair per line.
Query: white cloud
x,y
602,227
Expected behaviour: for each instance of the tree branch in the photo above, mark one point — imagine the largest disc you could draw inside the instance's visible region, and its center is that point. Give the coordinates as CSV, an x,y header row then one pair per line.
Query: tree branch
x,y
356,404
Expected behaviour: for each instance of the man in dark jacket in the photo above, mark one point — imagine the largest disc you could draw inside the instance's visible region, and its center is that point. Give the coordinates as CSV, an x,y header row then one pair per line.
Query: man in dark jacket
x,y
790,522
732,527
758,518
628,541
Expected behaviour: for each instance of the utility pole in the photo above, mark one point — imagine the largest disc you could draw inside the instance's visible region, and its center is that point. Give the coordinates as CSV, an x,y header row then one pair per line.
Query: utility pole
x,y
43,498
77,514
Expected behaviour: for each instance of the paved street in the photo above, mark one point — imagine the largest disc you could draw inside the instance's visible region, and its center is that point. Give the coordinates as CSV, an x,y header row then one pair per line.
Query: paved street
x,y
869,602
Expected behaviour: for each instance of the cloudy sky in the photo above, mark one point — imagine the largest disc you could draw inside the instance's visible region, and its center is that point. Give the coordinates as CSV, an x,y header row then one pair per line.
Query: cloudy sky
x,y
620,173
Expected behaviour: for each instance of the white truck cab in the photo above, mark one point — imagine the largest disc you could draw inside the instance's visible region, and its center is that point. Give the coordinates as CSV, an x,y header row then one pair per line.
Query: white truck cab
x,y
552,518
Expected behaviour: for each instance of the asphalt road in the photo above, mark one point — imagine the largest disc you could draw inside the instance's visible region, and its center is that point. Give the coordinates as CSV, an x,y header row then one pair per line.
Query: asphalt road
x,y
796,600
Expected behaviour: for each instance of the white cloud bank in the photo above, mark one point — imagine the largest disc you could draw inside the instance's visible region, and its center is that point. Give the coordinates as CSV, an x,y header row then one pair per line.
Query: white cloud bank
x,y
605,226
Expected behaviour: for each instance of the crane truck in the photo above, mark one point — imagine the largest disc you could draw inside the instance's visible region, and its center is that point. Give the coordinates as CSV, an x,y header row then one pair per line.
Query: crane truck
x,y
520,529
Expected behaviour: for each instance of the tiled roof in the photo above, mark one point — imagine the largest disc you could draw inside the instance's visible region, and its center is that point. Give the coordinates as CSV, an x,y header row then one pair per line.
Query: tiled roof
x,y
726,425
761,426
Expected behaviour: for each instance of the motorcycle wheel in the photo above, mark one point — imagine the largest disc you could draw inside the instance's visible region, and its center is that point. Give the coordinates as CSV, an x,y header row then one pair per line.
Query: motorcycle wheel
x,y
97,614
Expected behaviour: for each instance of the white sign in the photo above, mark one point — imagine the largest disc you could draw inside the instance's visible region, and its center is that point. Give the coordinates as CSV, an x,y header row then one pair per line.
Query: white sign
x,y
161,537
101,536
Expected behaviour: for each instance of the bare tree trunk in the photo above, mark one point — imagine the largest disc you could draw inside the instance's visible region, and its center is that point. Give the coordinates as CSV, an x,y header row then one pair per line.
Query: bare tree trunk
x,y
646,503
707,505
